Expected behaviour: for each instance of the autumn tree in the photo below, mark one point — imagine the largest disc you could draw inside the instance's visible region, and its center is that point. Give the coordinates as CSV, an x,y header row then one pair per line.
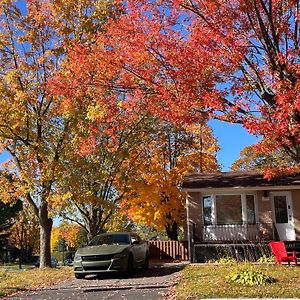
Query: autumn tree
x,y
8,213
35,132
8,218
25,234
69,234
156,198
96,183
119,222
252,160
235,61
259,42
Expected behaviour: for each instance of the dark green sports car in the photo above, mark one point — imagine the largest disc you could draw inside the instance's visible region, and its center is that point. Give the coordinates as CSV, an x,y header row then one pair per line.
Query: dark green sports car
x,y
111,252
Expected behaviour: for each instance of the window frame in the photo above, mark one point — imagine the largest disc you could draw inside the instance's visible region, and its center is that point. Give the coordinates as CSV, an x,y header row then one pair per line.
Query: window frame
x,y
243,204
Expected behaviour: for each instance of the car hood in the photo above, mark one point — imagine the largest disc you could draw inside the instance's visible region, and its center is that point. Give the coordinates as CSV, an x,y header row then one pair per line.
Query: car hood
x,y
102,249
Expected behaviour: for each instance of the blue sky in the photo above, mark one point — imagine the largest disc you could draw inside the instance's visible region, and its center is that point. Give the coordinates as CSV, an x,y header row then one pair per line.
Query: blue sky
x,y
232,138
4,156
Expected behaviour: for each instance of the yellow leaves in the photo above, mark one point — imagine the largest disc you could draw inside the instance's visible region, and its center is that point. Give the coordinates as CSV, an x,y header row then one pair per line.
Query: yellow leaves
x,y
156,198
59,200
69,233
55,236
12,76
25,231
32,279
80,19
118,222
11,188
95,112
20,96
157,216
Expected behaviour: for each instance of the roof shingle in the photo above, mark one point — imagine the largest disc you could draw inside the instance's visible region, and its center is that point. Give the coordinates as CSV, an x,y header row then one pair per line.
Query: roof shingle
x,y
236,180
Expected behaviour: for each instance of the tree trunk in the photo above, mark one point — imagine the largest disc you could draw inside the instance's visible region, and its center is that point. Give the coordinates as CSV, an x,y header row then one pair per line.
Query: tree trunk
x,y
89,236
45,236
172,231
94,223
93,230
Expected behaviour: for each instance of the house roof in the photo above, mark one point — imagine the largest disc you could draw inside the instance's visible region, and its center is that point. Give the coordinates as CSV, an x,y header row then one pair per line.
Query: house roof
x,y
237,180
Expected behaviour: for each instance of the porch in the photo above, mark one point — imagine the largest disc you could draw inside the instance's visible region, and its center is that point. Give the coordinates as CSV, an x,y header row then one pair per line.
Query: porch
x,y
242,242
228,233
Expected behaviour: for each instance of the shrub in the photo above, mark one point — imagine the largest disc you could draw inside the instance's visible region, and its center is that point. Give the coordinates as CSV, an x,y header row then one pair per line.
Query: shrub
x,y
250,277
224,260
266,259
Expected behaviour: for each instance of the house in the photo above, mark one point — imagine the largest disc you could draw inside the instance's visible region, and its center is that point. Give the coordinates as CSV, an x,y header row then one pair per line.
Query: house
x,y
240,208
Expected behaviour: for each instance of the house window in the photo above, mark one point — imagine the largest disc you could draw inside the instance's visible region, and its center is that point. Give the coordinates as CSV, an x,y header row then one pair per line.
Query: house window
x,y
229,209
207,210
250,206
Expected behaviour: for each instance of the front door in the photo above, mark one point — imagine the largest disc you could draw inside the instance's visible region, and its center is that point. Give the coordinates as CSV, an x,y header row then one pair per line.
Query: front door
x,y
283,215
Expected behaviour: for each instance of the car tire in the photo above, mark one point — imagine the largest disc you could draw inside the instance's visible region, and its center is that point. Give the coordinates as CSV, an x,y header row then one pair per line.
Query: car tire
x,y
79,276
146,263
130,267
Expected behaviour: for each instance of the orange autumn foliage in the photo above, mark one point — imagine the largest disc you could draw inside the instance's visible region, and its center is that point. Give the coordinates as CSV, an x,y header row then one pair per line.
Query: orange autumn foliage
x,y
235,60
69,233
24,234
155,198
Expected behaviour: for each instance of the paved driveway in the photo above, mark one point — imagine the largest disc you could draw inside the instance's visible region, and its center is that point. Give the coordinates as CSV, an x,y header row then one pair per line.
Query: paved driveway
x,y
153,284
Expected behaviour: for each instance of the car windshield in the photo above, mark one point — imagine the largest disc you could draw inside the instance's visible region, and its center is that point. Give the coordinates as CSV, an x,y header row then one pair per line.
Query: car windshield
x,y
110,239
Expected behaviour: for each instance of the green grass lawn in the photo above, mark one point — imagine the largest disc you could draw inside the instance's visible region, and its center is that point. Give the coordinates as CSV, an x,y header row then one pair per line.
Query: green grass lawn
x,y
13,281
14,266
209,281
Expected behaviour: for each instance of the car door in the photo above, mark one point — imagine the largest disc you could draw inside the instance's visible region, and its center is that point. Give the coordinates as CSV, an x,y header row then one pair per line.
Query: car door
x,y
137,249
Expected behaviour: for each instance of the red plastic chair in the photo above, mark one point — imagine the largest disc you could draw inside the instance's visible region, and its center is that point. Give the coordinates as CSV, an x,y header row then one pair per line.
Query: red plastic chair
x,y
279,250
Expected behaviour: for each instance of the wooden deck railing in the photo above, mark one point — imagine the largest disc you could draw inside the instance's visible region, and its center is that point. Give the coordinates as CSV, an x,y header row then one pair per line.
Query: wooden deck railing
x,y
237,232
177,250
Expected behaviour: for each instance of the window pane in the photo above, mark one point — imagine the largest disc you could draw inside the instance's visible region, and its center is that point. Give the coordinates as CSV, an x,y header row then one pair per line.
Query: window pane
x,y
207,210
250,209
281,214
229,209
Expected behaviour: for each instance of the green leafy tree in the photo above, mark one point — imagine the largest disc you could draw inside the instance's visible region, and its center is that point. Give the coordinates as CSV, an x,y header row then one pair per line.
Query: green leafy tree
x,y
252,160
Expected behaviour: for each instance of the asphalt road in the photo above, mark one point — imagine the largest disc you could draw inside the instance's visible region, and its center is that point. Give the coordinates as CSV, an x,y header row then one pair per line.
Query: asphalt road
x,y
153,284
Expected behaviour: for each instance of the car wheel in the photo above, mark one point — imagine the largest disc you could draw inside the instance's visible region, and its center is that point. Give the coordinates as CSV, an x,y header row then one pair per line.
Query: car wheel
x,y
146,263
79,276
130,268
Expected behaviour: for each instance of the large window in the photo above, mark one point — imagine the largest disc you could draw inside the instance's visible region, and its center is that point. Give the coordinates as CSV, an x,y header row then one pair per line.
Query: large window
x,y
229,209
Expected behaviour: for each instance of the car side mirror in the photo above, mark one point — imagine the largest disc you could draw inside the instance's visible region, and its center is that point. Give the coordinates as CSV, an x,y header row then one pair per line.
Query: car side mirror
x,y
135,242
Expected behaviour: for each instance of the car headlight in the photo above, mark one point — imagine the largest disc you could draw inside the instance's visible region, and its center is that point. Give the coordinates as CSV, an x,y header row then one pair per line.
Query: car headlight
x,y
120,255
77,258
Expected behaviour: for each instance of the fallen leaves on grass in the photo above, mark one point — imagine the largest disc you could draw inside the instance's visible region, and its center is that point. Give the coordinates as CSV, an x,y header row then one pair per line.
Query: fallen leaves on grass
x,y
32,279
